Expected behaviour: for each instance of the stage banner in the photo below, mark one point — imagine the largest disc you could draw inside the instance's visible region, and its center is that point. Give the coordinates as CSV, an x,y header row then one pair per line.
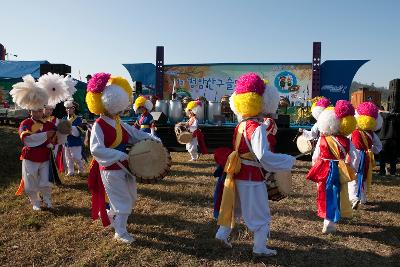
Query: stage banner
x,y
336,78
212,81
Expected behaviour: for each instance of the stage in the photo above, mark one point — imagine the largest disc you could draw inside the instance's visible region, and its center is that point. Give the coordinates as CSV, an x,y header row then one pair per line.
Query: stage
x,y
217,136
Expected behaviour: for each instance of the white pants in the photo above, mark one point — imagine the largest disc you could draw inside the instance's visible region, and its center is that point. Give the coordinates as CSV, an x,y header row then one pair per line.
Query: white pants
x,y
254,206
191,147
353,188
121,190
73,154
36,180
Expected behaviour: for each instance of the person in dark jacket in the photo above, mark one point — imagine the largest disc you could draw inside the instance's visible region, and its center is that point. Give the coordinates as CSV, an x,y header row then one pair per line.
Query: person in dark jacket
x,y
389,136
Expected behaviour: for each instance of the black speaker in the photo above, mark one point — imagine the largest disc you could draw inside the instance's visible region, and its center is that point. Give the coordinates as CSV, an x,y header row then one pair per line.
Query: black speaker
x,y
159,117
138,88
61,69
283,121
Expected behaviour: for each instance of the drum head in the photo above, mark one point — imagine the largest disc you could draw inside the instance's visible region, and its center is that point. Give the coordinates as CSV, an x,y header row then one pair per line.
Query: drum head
x,y
149,161
284,182
303,144
184,137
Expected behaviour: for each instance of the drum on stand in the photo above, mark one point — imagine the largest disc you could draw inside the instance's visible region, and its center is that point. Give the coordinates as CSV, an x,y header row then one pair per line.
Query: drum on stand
x,y
149,161
183,135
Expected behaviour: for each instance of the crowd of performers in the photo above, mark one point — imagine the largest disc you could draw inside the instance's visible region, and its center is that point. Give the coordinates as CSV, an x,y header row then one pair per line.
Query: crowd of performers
x,y
342,161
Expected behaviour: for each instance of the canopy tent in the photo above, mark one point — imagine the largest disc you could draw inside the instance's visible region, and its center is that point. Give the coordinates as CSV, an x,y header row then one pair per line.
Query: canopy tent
x,y
18,69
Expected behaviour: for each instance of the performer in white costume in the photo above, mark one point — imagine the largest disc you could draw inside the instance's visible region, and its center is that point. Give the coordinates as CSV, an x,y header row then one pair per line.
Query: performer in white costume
x,y
245,192
38,137
108,96
367,144
73,146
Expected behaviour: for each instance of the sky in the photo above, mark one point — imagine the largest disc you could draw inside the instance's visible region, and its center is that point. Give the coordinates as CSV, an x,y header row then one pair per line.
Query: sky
x,y
99,36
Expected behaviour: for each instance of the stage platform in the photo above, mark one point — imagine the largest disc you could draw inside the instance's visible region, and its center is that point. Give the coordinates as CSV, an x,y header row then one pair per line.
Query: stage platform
x,y
217,136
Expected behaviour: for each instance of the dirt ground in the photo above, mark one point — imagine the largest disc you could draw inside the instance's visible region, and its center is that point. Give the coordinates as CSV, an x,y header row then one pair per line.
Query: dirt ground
x,y
173,224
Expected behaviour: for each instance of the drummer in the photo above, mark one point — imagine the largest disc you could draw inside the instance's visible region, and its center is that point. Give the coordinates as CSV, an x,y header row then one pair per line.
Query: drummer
x,y
245,189
108,97
146,122
192,110
316,109
335,162
37,136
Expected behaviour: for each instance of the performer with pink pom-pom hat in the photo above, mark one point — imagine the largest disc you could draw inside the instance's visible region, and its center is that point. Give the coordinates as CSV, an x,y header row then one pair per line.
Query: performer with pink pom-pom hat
x,y
335,161
245,193
109,177
316,109
368,144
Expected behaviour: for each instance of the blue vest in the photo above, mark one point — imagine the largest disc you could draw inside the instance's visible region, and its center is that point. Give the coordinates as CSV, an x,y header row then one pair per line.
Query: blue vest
x,y
145,122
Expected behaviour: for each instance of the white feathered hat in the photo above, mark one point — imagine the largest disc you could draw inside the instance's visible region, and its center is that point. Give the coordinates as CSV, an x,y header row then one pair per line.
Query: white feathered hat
x,y
28,95
57,87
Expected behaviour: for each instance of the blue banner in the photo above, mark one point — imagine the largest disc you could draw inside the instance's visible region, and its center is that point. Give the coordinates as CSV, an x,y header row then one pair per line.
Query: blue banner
x,y
336,78
143,72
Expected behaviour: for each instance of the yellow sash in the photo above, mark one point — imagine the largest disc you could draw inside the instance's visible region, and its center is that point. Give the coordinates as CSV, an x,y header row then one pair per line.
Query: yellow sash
x,y
118,133
371,162
346,175
233,164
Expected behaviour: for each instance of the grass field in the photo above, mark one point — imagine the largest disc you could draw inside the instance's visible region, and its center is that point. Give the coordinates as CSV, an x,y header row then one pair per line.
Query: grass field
x,y
173,225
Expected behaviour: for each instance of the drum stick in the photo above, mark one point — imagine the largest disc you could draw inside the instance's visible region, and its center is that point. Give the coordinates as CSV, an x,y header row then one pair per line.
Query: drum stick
x,y
302,154
125,170
297,135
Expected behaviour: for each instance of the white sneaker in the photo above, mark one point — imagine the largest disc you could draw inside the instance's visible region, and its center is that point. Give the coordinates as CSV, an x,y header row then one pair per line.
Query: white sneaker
x,y
355,204
328,229
36,207
266,253
125,238
191,160
224,242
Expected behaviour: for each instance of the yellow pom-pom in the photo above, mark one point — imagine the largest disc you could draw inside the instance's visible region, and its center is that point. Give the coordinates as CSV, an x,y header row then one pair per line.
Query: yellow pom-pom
x,y
248,104
123,83
140,102
191,105
94,104
347,125
330,108
366,123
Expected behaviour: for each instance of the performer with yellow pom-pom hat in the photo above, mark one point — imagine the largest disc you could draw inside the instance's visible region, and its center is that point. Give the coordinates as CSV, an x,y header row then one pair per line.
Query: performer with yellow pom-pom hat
x,y
145,122
108,97
368,144
192,109
245,192
335,161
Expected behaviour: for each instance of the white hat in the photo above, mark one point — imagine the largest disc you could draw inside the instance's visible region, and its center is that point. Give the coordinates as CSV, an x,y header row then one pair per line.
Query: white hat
x,y
69,103
28,95
55,87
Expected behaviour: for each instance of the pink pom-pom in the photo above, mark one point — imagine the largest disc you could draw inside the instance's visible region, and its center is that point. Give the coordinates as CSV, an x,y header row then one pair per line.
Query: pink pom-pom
x,y
323,102
98,82
250,82
199,103
344,108
368,109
